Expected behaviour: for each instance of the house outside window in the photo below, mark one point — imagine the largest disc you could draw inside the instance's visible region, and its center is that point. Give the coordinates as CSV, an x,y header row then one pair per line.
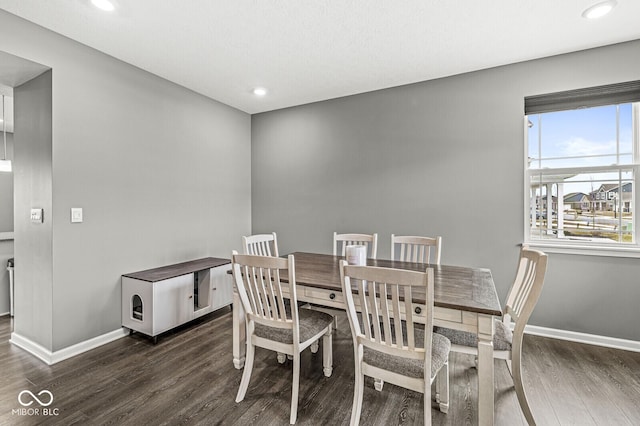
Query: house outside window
x,y
581,167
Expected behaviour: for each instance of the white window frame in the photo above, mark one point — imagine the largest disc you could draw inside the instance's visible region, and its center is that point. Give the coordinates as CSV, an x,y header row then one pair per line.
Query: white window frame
x,y
566,245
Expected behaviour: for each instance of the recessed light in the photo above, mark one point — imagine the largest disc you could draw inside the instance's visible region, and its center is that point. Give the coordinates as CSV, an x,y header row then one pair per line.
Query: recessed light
x,y
259,91
105,5
598,10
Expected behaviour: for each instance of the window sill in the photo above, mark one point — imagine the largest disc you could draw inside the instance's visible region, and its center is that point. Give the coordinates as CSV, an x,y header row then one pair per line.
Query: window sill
x,y
632,251
4,236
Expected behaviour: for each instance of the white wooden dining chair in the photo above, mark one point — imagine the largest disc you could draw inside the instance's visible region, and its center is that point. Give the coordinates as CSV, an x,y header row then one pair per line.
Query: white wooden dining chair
x,y
341,241
261,244
507,344
416,249
274,324
387,348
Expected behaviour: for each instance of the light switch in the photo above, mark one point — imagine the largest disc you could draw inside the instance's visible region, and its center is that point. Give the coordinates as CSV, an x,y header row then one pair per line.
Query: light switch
x,y
37,216
76,214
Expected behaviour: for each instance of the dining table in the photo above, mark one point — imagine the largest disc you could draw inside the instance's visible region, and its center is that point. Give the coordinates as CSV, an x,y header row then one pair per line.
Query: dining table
x,y
465,298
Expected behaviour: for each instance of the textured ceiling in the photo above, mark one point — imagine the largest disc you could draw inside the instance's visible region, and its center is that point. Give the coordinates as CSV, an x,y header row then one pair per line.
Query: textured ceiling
x,y
307,51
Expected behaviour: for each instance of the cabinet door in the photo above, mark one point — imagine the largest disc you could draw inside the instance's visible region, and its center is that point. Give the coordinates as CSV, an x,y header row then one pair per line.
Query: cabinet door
x,y
173,303
221,287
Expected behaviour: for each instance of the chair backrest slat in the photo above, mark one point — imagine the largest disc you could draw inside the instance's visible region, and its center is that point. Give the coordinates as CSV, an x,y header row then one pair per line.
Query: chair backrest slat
x,y
269,286
341,241
416,249
408,308
279,295
385,310
362,292
395,310
372,288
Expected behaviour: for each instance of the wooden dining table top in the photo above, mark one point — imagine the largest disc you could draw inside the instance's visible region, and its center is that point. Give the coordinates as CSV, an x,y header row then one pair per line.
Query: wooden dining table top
x,y
455,287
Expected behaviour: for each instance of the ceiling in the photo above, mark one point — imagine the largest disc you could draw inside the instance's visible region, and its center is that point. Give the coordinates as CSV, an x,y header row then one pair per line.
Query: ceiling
x,y
308,51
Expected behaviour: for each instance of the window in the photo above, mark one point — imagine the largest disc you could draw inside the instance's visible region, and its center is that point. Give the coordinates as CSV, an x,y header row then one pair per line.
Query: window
x,y
582,162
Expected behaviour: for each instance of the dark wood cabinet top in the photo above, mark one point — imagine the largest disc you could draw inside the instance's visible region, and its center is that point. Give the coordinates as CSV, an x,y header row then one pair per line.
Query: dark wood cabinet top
x,y
175,270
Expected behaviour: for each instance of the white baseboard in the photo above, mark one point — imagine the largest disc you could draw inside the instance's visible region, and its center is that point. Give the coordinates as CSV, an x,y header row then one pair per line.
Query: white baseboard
x,y
68,352
591,339
33,348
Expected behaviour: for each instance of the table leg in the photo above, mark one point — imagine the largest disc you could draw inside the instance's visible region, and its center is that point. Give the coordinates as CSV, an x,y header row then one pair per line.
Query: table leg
x,y
239,332
485,370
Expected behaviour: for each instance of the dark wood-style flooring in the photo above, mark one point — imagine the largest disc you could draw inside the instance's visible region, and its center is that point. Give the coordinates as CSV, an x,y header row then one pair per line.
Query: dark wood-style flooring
x,y
188,378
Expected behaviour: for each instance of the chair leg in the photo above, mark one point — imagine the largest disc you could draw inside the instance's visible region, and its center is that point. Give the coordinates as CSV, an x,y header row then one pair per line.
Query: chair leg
x,y
510,366
358,389
427,403
246,374
295,388
517,382
378,384
327,353
442,388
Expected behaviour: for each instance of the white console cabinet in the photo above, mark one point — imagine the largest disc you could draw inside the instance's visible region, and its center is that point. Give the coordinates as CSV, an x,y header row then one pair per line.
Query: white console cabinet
x,y
159,299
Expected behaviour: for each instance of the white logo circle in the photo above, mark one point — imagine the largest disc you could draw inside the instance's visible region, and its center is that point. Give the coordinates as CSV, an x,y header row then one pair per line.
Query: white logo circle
x,y
35,398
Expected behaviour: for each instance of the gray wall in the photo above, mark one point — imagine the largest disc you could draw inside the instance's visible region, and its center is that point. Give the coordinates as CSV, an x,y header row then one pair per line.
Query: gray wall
x,y
32,187
442,157
152,164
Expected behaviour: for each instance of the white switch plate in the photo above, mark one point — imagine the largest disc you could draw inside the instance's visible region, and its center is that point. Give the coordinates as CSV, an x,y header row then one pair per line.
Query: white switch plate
x,y
76,214
37,216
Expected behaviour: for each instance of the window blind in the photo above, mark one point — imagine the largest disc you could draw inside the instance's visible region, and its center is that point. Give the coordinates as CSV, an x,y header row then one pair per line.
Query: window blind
x,y
583,98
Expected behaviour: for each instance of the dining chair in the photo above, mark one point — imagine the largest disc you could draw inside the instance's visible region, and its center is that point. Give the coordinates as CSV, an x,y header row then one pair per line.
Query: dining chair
x,y
341,241
274,324
507,344
261,244
387,348
416,249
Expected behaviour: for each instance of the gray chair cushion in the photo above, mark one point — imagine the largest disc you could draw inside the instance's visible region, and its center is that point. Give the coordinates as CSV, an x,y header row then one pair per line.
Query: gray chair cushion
x,y
502,338
411,367
311,323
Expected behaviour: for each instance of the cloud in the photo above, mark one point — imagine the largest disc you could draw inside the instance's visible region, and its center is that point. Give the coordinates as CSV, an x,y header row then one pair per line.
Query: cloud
x,y
581,147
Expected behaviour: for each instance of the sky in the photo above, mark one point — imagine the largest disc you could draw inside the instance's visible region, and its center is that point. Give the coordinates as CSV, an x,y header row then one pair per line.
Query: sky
x,y
582,137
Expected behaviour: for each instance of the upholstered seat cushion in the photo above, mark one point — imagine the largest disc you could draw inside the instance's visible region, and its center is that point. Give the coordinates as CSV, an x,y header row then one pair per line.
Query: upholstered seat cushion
x,y
502,339
411,367
311,323
440,347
